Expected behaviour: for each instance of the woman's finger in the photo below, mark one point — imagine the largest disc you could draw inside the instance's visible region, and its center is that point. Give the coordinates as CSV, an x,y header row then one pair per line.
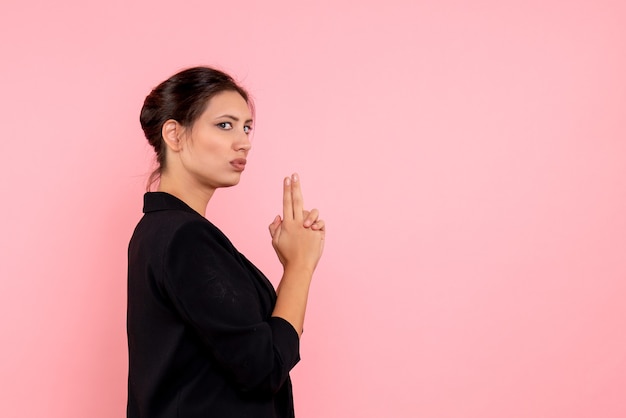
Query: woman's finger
x,y
296,198
287,199
319,225
274,225
310,217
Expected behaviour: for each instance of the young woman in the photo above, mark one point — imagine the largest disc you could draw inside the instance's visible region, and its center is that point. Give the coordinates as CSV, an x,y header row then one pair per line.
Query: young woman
x,y
208,336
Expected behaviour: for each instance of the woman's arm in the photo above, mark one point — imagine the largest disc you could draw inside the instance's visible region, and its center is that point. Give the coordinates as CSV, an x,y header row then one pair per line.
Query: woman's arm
x,y
212,292
299,242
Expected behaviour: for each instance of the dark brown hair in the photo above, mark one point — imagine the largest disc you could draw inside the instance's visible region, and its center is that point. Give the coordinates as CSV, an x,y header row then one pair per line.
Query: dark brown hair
x,y
182,97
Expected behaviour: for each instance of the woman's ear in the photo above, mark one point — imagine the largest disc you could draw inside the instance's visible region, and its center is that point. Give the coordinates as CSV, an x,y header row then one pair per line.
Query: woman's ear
x,y
172,133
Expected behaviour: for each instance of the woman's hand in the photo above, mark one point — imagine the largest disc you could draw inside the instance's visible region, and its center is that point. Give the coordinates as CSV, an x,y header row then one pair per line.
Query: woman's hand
x,y
311,220
297,238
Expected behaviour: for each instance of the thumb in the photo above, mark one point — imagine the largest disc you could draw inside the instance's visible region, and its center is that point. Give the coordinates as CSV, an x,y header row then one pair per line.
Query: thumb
x,y
273,227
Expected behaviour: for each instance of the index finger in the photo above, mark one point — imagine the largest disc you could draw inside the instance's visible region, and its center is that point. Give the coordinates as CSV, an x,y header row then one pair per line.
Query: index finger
x,y
287,200
296,198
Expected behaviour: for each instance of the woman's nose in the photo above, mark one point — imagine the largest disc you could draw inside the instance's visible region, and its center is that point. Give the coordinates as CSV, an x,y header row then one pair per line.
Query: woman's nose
x,y
243,142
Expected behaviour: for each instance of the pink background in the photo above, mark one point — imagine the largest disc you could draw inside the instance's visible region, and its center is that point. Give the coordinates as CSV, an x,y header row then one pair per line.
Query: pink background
x,y
469,158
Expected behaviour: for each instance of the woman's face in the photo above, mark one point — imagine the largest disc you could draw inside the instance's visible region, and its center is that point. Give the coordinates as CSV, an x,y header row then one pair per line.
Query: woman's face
x,y
215,148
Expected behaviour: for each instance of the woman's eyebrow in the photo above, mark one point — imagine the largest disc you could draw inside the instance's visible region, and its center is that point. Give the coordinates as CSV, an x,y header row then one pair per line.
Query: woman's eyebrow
x,y
235,118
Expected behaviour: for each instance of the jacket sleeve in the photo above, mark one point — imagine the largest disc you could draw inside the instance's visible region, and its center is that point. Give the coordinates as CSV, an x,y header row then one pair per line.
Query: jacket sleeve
x,y
214,293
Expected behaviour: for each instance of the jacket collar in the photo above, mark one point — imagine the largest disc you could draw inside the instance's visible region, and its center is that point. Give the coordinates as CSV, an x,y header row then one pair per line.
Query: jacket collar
x,y
157,201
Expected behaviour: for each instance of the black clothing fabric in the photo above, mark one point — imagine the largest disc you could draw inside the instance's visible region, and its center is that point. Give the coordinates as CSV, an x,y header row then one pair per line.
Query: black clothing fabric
x,y
201,338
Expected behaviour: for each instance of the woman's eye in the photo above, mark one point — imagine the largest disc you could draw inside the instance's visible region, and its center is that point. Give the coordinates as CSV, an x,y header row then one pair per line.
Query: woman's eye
x,y
225,125
247,129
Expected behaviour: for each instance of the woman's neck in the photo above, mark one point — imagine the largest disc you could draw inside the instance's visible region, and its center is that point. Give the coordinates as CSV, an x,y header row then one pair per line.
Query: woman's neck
x,y
196,196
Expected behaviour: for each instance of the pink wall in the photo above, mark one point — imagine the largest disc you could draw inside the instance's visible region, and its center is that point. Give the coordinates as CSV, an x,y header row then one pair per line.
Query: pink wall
x,y
469,158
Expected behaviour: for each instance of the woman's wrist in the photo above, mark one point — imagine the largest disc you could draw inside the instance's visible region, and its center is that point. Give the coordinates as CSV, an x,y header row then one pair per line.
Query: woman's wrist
x,y
302,271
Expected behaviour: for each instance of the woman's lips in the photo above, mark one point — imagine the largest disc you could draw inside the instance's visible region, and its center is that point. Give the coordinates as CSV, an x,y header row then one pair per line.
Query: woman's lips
x,y
239,164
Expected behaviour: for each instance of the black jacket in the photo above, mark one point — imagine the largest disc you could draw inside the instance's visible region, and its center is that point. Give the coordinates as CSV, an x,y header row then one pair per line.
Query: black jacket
x,y
201,338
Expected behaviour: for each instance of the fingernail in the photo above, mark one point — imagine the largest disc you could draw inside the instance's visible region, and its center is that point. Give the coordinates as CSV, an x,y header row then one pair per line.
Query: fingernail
x,y
295,177
287,181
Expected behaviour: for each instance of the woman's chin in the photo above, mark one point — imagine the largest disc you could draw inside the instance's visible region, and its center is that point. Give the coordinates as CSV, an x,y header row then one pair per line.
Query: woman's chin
x,y
230,182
